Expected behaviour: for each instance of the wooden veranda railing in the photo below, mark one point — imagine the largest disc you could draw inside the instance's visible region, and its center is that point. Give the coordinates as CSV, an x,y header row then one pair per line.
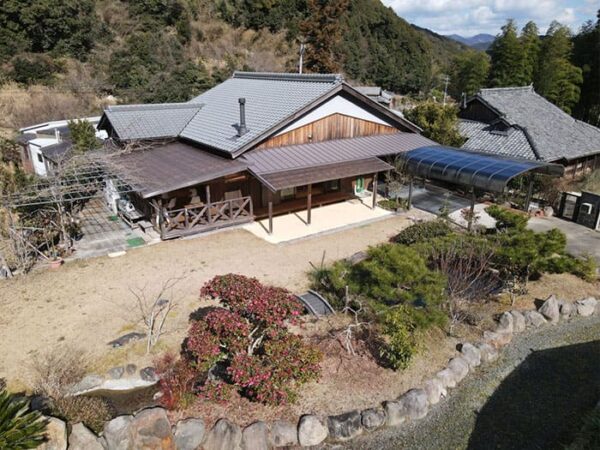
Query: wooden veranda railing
x,y
200,218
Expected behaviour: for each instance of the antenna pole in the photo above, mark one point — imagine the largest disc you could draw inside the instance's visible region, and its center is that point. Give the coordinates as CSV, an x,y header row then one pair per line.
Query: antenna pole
x,y
301,63
446,81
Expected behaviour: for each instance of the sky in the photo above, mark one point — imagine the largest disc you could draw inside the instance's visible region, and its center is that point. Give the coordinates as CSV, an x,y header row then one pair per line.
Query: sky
x,y
470,17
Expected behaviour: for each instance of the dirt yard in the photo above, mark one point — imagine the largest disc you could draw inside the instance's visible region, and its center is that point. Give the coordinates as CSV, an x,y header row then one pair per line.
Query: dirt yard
x,y
88,303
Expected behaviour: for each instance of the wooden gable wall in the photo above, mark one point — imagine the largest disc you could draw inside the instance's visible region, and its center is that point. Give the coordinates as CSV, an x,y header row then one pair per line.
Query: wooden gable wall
x,y
334,126
477,111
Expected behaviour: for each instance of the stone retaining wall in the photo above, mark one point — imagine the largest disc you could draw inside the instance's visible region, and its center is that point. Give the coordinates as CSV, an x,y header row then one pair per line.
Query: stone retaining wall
x,y
150,428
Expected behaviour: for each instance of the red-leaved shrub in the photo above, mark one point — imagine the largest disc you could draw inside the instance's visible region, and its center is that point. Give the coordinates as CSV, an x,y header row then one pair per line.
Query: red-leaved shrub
x,y
177,380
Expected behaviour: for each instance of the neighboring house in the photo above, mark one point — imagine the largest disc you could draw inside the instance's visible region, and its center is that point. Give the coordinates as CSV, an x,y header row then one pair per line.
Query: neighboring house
x,y
256,145
44,143
386,98
518,122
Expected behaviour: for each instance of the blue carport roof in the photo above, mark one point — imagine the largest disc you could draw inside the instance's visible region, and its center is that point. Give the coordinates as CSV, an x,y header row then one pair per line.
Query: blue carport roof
x,y
481,170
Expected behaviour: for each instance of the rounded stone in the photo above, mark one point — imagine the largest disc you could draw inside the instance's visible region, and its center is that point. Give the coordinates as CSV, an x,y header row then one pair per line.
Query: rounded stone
x,y
311,430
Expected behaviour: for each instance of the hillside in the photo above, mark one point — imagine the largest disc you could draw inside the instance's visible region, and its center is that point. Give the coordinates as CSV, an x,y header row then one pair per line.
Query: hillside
x,y
66,58
480,41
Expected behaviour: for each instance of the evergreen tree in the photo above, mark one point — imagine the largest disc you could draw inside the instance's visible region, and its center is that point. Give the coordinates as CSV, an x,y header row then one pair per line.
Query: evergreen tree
x,y
530,40
468,73
439,122
507,58
586,54
322,33
83,135
558,79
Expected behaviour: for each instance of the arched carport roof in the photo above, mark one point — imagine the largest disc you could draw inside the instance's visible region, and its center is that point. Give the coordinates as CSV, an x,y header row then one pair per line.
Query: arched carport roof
x,y
479,170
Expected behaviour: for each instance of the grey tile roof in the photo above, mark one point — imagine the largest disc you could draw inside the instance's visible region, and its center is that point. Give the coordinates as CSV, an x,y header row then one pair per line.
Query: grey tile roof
x,y
554,134
56,150
156,121
271,160
481,137
268,103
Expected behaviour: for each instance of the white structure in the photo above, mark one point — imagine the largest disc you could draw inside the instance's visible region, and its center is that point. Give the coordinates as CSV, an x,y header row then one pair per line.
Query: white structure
x,y
43,141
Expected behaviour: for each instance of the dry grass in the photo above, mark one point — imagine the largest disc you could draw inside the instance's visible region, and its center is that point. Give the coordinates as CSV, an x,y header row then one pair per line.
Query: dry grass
x,y
54,372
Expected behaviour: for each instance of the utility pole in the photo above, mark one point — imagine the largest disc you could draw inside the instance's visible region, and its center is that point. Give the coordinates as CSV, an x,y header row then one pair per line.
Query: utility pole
x,y
446,81
301,62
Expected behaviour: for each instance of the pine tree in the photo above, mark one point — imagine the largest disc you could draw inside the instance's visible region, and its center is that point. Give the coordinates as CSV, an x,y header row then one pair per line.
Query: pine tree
x,y
322,34
468,73
507,58
558,79
530,40
439,122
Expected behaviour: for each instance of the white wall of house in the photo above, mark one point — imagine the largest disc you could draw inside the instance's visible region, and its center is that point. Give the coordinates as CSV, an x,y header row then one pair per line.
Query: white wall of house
x,y
37,157
335,105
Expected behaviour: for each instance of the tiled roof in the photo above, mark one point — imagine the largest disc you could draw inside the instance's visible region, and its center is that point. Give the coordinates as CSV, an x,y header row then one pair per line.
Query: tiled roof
x,y
554,134
165,120
271,160
270,99
480,136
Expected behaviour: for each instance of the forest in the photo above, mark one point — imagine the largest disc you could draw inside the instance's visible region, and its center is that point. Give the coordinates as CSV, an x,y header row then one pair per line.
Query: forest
x,y
70,58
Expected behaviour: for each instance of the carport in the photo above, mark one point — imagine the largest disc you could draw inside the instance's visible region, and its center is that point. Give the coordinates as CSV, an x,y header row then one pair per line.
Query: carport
x,y
472,170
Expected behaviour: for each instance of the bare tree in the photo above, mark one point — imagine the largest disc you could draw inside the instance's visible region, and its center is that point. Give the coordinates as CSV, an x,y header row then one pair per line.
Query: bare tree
x,y
152,310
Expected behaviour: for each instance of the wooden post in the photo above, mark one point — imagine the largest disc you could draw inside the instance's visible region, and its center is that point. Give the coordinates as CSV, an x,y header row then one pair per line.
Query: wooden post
x,y
410,193
472,213
529,194
308,204
270,200
161,224
374,203
208,203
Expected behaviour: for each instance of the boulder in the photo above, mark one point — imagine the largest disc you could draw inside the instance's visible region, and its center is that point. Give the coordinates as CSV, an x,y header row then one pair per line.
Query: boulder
x,y
412,405
283,434
150,429
255,437
518,321
56,435
567,309
471,354
225,435
505,323
311,430
344,427
88,383
189,434
447,378
435,389
148,374
130,369
497,340
488,353
116,433
116,372
372,418
587,306
126,339
534,319
82,438
550,309
459,367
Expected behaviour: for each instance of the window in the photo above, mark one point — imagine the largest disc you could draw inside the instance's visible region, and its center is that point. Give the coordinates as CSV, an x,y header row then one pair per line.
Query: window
x,y
40,157
287,193
333,185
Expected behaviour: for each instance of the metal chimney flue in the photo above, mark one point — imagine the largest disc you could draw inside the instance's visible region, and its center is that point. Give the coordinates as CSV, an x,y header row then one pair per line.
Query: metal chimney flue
x,y
242,128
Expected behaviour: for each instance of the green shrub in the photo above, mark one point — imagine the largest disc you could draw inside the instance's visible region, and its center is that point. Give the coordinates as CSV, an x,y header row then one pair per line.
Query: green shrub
x,y
20,428
397,274
506,218
584,268
423,231
392,204
331,281
398,331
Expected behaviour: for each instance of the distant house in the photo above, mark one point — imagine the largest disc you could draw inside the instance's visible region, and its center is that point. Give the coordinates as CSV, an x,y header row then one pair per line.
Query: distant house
x,y
386,98
518,122
256,145
44,143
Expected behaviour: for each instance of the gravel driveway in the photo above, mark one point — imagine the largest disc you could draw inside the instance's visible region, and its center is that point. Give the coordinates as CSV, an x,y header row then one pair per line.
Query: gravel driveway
x,y
532,398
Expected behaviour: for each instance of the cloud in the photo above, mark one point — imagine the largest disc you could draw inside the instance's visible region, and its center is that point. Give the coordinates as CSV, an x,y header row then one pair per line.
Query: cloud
x,y
469,17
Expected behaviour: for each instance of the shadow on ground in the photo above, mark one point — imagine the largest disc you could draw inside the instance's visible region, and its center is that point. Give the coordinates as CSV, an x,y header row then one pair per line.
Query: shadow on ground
x,y
541,403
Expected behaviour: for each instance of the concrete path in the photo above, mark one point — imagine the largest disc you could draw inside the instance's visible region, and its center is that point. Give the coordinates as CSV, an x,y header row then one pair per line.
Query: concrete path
x,y
533,397
580,240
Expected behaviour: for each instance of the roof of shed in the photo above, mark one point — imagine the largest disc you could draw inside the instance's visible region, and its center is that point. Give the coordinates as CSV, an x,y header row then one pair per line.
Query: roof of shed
x,y
175,165
554,133
480,170
271,160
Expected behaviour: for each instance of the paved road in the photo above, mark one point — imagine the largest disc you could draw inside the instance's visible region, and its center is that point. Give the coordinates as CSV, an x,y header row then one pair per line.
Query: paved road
x,y
580,239
532,398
